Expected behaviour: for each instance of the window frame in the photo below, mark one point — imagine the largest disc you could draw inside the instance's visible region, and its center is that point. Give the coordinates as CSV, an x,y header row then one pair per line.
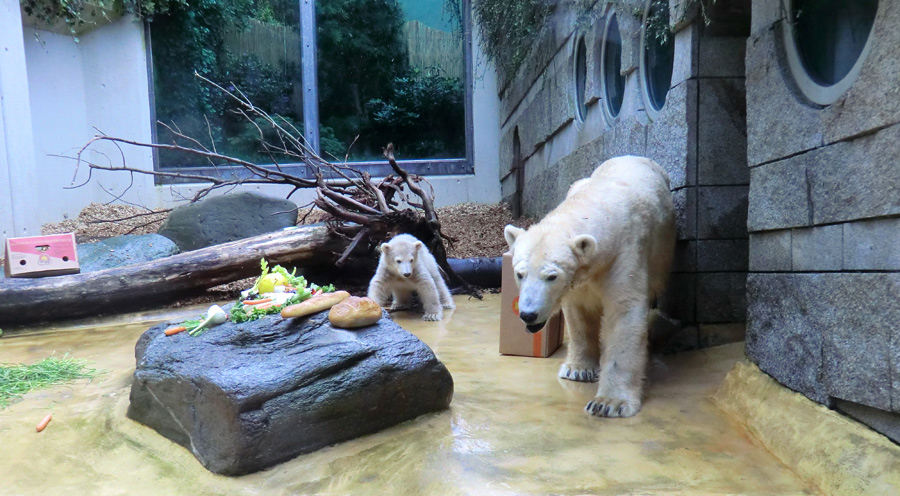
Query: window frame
x,y
422,167
811,89
579,76
604,92
650,109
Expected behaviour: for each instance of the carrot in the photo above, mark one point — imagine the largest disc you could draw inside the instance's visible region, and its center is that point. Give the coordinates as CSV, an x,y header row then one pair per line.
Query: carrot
x,y
175,330
266,305
44,422
317,292
257,302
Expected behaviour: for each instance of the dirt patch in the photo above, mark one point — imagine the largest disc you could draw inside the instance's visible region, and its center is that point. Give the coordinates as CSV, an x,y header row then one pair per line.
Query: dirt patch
x,y
477,228
100,221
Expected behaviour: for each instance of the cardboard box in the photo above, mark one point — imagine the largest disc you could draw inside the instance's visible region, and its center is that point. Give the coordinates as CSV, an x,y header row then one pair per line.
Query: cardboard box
x,y
514,337
39,256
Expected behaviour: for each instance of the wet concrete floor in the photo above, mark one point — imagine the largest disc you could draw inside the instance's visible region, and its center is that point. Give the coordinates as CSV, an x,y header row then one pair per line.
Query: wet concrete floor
x,y
512,428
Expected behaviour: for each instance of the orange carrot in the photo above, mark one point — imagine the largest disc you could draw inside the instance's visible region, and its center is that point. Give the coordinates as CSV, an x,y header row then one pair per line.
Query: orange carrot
x,y
175,330
44,422
257,302
317,292
266,305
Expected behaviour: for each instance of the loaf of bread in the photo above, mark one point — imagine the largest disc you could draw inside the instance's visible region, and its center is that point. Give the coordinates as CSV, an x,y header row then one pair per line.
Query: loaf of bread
x,y
355,311
315,304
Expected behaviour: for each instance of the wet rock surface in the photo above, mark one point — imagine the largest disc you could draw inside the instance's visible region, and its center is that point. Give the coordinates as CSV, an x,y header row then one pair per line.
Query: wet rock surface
x,y
120,251
244,397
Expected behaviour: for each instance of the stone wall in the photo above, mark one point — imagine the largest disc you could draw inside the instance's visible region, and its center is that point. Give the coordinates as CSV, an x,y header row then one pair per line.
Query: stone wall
x,y
824,224
699,136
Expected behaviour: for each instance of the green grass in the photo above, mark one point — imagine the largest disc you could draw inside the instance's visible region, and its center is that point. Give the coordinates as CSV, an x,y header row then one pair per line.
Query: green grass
x,y
16,380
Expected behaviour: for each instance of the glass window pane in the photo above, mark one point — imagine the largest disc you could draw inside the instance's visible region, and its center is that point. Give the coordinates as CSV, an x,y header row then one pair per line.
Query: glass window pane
x,y
390,71
580,78
659,53
249,47
613,80
831,34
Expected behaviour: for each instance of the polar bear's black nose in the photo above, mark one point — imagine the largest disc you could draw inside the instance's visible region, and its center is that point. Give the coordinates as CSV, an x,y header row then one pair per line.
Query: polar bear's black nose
x,y
528,317
407,274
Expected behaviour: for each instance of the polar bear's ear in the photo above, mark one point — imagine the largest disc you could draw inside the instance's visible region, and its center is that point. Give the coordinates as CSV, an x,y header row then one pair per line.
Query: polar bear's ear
x,y
511,232
584,246
384,248
417,245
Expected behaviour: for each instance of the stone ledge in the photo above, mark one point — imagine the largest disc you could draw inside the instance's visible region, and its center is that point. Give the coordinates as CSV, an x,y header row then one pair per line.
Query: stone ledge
x,y
826,449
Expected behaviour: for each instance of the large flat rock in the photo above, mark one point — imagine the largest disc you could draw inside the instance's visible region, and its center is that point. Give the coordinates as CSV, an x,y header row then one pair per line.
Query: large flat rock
x,y
244,397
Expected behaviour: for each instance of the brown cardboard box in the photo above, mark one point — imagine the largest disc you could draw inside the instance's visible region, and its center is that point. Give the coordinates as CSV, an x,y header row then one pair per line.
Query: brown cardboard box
x,y
39,256
514,338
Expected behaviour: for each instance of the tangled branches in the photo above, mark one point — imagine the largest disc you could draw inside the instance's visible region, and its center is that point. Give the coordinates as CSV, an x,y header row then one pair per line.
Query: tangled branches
x,y
365,211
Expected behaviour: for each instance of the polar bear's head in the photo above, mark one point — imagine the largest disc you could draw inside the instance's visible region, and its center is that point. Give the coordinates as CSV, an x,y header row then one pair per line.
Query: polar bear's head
x,y
545,267
400,253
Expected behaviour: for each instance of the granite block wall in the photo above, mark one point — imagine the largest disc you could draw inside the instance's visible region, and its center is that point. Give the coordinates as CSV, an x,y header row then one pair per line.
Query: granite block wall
x,y
699,137
824,226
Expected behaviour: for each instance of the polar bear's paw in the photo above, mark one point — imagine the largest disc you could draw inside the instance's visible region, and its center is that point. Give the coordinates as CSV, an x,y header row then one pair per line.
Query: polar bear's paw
x,y
396,307
579,374
432,317
604,406
449,306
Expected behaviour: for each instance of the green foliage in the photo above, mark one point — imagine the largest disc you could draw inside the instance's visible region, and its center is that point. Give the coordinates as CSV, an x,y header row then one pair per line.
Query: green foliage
x,y
509,28
424,116
18,379
359,53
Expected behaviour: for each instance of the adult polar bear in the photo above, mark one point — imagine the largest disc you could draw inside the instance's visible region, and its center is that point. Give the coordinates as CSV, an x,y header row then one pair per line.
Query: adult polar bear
x,y
603,254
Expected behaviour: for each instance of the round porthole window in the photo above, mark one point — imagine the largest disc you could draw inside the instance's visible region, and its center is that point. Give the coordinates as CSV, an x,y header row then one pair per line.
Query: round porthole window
x,y
826,43
611,78
580,77
657,55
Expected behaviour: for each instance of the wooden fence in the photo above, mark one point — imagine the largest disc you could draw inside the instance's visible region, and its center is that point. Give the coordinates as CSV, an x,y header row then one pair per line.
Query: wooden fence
x,y
427,49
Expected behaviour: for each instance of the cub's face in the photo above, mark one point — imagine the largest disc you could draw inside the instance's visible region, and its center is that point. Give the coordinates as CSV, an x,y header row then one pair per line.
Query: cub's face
x,y
544,267
401,257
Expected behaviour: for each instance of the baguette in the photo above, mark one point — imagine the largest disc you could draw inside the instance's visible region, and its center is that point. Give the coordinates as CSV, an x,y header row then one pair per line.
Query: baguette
x,y
355,312
315,304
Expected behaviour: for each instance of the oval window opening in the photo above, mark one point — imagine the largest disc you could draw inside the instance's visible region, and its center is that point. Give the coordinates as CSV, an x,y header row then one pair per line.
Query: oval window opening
x,y
659,54
580,77
613,80
831,35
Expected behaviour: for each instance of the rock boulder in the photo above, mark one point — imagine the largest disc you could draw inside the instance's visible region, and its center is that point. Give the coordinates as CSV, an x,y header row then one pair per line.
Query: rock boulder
x,y
124,250
227,218
244,397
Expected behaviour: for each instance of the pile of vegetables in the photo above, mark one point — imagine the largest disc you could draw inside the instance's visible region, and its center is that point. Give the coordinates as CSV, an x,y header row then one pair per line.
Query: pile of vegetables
x,y
274,289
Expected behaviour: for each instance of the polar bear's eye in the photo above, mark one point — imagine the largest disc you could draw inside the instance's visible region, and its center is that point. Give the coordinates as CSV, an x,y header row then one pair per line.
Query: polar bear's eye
x,y
399,260
551,277
520,275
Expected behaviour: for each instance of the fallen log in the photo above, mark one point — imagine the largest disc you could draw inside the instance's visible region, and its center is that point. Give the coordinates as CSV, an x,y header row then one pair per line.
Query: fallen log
x,y
164,280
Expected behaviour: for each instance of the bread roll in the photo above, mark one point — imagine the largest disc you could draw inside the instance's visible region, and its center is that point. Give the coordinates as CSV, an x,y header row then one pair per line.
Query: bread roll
x,y
315,304
355,311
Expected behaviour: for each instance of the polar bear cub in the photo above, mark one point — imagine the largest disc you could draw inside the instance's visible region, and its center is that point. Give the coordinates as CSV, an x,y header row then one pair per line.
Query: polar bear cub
x,y
602,256
405,266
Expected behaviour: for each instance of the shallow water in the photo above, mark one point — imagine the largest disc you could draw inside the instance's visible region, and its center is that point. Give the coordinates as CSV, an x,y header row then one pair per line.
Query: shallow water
x,y
512,428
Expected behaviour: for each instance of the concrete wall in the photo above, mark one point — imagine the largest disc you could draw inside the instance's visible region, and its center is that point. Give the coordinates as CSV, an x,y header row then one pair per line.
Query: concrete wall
x,y
699,136
824,222
17,180
57,92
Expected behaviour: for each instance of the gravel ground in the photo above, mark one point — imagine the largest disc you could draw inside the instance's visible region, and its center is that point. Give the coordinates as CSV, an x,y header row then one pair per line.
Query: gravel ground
x,y
476,227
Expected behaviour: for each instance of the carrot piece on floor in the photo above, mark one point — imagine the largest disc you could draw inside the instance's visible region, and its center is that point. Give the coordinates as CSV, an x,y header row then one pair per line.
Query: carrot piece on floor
x,y
175,330
44,422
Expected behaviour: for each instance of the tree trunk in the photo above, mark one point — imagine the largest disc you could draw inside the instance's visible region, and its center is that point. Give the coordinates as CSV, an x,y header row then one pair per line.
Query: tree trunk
x,y
163,280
